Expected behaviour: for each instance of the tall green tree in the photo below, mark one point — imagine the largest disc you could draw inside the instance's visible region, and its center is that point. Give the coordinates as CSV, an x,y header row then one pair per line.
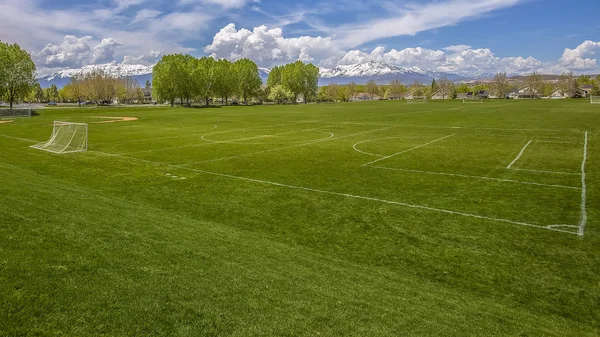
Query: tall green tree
x,y
310,81
225,80
274,78
248,78
292,78
17,72
164,81
202,77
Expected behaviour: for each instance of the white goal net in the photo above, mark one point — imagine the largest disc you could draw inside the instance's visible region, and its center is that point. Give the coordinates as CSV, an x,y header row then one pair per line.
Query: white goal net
x,y
417,100
595,99
472,100
66,138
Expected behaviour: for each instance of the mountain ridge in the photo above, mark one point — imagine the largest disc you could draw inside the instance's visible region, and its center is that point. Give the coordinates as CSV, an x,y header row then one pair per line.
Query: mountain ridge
x,y
359,73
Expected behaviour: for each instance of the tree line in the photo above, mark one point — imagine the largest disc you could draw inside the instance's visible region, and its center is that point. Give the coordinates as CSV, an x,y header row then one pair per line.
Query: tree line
x,y
190,80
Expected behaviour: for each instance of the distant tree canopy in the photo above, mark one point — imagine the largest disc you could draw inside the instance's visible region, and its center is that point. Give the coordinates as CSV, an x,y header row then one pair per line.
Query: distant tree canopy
x,y
17,73
298,78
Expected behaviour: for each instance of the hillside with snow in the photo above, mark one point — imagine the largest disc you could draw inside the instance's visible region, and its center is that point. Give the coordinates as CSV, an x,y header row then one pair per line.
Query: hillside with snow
x,y
359,73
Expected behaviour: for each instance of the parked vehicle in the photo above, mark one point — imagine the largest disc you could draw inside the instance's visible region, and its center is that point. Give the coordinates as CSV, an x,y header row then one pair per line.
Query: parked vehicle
x,y
52,103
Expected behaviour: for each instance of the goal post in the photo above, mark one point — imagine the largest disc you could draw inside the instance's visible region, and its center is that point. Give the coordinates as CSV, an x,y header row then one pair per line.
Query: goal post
x,y
417,100
472,100
66,137
595,99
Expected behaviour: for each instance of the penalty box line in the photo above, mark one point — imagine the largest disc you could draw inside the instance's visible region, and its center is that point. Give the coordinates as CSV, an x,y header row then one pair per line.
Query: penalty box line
x,y
285,147
476,177
405,151
519,155
347,195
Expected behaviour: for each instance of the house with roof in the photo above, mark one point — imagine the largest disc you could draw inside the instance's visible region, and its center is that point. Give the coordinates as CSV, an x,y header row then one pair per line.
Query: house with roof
x,y
441,95
147,96
361,96
483,94
559,93
587,90
526,93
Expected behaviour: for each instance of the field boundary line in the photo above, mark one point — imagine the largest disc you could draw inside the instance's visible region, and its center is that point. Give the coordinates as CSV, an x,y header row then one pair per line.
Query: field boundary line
x,y
284,147
475,177
405,151
18,138
543,171
519,155
583,220
398,203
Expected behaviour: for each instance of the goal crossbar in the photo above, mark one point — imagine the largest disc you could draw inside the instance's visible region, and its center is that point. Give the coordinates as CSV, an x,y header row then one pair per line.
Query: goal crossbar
x,y
472,100
66,137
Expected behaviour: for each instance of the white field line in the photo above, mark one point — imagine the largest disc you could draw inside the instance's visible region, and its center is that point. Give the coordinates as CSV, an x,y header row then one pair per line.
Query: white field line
x,y
266,182
583,220
476,177
372,140
553,141
23,139
464,128
234,141
207,142
519,156
551,172
405,151
283,148
155,138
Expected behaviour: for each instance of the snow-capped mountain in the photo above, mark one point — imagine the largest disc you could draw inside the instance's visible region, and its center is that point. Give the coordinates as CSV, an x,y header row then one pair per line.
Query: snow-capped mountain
x,y
359,73
381,73
61,78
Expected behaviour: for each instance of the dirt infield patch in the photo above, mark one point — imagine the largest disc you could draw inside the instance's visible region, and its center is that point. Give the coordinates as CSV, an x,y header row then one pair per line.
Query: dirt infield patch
x,y
6,121
116,119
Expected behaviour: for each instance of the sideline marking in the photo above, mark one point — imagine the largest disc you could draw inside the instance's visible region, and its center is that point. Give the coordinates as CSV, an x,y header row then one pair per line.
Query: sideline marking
x,y
542,171
583,220
433,209
401,152
476,177
519,156
23,139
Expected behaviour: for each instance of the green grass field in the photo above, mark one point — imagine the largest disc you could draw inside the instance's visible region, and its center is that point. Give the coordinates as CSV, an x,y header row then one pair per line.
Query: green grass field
x,y
362,219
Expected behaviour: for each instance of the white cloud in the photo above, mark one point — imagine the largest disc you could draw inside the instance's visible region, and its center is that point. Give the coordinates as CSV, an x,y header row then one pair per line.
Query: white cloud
x,y
144,14
580,58
458,48
269,46
221,3
415,18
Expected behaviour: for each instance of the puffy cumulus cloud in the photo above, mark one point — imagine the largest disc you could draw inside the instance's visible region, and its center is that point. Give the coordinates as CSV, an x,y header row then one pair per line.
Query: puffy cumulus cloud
x,y
580,58
105,50
72,51
460,60
269,47
146,60
458,48
75,52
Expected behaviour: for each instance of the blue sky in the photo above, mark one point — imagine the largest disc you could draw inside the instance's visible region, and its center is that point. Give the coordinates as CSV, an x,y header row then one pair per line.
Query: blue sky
x,y
459,36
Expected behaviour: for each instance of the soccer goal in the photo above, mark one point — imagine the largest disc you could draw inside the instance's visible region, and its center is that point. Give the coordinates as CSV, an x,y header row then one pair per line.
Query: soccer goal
x,y
472,100
595,99
66,138
15,113
417,100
